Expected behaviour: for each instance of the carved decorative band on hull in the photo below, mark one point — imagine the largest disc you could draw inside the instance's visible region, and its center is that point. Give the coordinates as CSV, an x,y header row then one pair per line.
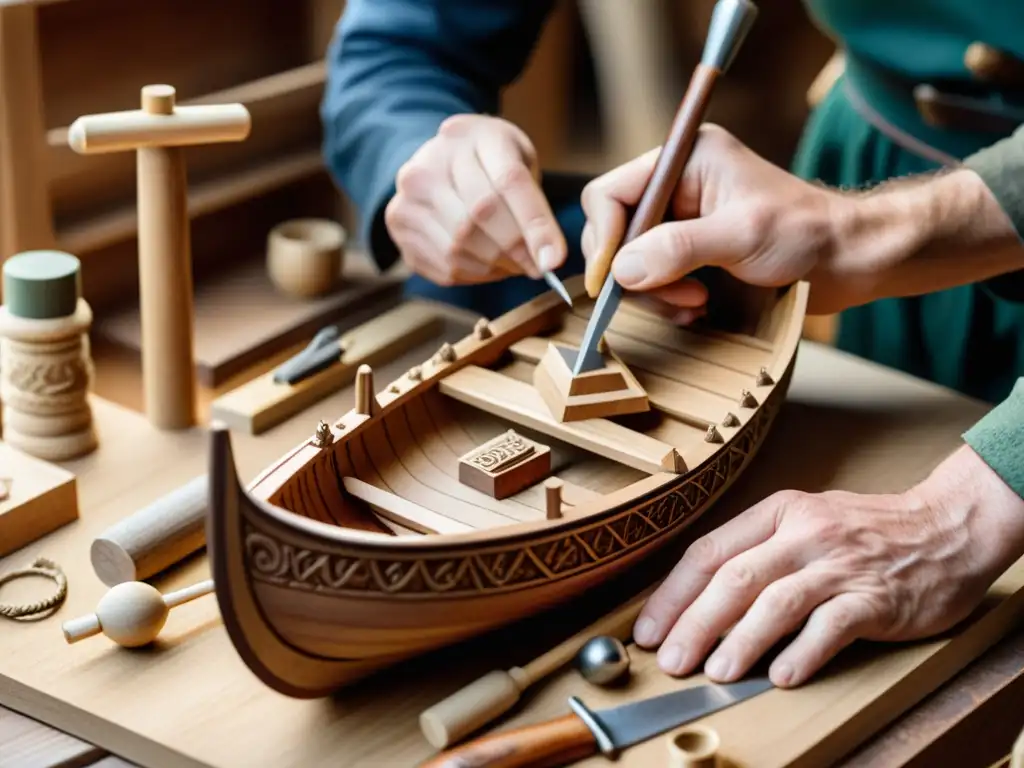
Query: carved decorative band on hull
x,y
515,565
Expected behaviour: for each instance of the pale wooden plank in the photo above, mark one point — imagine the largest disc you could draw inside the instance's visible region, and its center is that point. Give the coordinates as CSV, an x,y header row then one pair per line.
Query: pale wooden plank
x,y
520,402
27,743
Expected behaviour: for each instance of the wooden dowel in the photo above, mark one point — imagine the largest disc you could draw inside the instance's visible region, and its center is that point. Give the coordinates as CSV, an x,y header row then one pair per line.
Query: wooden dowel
x,y
153,538
366,398
553,497
188,125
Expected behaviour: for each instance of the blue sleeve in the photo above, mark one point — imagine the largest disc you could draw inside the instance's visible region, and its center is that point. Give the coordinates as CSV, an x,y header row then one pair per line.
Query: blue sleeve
x,y
395,70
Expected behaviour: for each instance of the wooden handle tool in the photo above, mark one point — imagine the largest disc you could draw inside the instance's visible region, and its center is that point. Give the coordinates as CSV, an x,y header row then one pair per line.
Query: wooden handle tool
x,y
727,32
155,537
495,693
556,742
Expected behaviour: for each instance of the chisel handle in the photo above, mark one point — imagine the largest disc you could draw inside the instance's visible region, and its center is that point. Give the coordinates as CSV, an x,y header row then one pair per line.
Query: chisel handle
x,y
546,745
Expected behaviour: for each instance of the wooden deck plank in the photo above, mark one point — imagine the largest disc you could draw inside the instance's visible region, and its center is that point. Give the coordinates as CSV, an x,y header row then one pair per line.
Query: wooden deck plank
x,y
27,743
402,511
693,406
649,352
416,460
742,354
519,402
405,484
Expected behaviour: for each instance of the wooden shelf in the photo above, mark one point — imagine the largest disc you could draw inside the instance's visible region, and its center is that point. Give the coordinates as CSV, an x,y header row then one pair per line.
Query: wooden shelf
x,y
204,198
302,84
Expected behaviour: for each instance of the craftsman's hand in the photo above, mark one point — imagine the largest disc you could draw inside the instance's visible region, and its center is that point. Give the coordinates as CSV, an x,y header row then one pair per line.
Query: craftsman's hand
x,y
469,208
732,209
886,567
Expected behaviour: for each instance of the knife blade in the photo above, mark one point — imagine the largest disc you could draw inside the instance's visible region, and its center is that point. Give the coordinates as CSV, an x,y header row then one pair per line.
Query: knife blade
x,y
730,22
552,279
608,731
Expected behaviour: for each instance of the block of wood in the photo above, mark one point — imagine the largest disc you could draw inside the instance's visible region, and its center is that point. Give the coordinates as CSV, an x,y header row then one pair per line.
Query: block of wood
x,y
505,465
262,403
36,497
240,318
895,430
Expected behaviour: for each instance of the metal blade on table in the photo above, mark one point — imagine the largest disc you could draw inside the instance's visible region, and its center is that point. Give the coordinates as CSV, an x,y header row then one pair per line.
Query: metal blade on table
x,y
636,722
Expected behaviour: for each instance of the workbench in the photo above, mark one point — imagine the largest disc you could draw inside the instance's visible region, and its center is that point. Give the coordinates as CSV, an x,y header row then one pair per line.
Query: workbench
x,y
190,701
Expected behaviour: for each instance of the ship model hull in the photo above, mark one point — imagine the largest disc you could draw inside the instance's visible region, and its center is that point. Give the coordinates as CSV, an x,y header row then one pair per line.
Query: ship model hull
x,y
365,547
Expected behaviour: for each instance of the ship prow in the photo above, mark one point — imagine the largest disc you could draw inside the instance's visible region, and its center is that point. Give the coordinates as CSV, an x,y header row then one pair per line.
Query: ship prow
x,y
455,499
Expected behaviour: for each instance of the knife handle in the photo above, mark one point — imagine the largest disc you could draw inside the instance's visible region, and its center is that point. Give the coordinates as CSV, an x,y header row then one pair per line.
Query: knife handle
x,y
554,743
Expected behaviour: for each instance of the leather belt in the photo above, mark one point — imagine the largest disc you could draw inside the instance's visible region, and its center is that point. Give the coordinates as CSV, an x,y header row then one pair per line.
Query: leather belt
x,y
938,124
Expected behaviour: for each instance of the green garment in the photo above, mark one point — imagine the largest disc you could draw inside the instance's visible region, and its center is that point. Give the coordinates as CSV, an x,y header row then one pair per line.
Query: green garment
x,y
970,338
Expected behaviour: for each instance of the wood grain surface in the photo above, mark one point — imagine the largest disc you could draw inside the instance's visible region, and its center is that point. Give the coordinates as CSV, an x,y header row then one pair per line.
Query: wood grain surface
x,y
189,701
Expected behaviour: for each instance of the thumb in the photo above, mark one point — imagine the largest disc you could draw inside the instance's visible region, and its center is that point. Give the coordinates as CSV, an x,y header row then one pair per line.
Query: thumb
x,y
670,251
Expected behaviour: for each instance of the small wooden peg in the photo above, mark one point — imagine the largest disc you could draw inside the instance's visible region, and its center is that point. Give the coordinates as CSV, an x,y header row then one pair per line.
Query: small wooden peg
x,y
415,373
482,329
730,420
446,354
323,437
553,496
366,399
132,613
764,379
747,400
712,435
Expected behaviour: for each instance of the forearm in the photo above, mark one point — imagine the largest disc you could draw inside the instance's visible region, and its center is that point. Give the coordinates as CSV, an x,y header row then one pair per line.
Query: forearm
x,y
396,70
915,236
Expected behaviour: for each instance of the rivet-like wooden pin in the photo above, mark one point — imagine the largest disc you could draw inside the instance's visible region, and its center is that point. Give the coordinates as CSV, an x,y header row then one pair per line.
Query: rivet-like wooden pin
x,y
553,497
366,400
415,373
323,437
394,389
730,420
747,400
446,354
482,329
712,435
764,379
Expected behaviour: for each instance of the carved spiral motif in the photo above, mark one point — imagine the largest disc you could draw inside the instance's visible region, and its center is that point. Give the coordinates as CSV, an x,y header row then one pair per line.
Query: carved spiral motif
x,y
42,377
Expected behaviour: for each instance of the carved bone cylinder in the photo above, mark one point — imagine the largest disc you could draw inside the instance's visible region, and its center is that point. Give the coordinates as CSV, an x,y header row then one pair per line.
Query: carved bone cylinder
x,y
46,368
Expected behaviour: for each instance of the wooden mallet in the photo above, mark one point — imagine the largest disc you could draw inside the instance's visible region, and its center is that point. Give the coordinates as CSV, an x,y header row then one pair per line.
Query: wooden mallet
x,y
158,132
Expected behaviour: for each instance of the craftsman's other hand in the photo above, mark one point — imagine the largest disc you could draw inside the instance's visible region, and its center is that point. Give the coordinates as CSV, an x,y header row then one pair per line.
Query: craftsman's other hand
x,y
469,208
837,567
732,209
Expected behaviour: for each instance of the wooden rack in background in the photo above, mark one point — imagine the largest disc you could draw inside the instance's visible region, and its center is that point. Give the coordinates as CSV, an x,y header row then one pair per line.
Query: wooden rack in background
x,y
60,59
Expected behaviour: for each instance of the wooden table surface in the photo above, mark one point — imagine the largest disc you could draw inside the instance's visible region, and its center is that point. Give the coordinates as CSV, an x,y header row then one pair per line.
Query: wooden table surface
x,y
985,697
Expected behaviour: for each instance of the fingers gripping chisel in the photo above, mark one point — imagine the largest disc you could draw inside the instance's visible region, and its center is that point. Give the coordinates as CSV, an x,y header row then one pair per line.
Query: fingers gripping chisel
x,y
730,22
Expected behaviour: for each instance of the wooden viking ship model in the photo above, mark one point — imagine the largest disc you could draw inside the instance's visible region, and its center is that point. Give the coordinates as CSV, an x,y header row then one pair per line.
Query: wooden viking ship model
x,y
544,453
366,545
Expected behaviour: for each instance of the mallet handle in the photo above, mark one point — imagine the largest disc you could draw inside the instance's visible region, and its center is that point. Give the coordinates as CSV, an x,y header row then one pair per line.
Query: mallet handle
x,y
134,129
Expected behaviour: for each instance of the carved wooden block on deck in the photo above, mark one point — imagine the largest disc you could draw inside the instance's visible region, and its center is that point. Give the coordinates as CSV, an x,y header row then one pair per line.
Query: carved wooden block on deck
x,y
505,465
608,391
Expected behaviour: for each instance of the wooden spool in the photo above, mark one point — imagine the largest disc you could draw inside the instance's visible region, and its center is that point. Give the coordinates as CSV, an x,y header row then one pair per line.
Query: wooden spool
x,y
305,257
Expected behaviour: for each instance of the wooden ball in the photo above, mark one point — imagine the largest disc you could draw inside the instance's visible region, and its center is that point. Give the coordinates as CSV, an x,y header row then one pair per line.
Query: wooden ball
x,y
132,614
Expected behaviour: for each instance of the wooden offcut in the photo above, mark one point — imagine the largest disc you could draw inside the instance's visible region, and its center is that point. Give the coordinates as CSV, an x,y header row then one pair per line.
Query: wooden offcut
x,y
262,403
41,497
